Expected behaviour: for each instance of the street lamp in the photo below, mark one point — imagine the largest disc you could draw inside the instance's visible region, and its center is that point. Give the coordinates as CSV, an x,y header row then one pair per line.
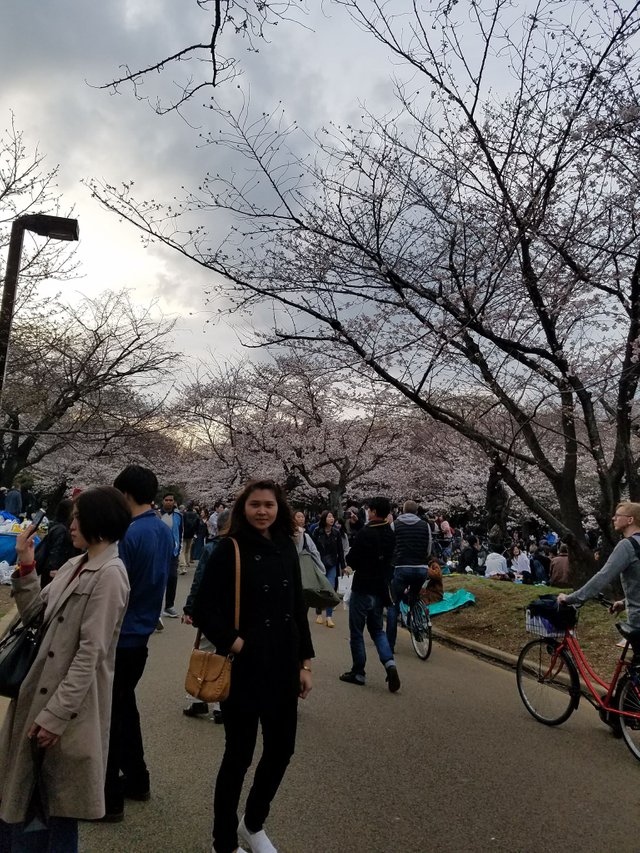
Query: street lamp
x,y
54,227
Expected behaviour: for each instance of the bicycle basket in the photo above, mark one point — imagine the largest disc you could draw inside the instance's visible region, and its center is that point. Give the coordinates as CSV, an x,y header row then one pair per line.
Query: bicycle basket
x,y
546,618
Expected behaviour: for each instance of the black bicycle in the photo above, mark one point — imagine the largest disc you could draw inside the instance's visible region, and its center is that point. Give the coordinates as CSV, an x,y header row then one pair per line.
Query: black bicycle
x,y
417,620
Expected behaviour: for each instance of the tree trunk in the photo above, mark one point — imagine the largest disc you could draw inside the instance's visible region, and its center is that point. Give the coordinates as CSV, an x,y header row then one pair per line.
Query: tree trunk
x,y
336,496
582,564
497,502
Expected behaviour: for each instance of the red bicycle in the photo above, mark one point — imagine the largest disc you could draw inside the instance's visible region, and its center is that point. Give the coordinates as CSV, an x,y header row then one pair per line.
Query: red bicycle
x,y
548,675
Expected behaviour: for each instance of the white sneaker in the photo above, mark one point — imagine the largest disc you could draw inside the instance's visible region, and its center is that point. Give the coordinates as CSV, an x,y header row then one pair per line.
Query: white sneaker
x,y
256,842
171,612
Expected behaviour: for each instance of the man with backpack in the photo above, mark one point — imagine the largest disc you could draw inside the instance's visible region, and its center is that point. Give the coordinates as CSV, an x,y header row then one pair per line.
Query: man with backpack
x,y
410,559
624,562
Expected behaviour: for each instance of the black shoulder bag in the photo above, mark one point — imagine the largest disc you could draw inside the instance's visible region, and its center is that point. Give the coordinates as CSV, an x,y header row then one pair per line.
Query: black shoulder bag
x,y
18,651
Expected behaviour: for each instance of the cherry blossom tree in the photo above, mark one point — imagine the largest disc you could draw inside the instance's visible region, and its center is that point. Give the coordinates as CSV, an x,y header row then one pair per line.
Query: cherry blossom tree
x,y
292,420
84,383
475,250
326,439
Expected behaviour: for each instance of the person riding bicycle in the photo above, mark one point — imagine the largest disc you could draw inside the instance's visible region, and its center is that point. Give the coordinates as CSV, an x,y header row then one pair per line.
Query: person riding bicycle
x,y
410,561
624,563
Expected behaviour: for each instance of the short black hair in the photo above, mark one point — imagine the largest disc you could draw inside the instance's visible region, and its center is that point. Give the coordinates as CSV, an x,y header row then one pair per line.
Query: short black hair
x,y
102,514
63,511
381,506
141,483
169,495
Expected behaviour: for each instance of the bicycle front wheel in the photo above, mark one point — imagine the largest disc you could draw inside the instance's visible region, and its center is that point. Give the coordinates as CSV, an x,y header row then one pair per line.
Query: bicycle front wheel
x,y
548,682
420,629
629,703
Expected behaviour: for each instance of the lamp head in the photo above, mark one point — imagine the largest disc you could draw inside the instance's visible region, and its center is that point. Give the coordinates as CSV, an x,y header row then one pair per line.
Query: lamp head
x,y
55,227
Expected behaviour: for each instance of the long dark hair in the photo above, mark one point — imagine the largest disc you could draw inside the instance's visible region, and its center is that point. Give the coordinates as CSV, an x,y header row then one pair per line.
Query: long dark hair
x,y
284,520
323,520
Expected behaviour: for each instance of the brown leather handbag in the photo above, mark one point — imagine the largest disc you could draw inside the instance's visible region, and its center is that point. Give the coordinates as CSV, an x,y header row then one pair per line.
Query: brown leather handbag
x,y
209,674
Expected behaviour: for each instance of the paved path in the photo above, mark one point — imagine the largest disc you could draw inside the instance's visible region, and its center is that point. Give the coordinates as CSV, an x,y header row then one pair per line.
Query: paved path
x,y
452,763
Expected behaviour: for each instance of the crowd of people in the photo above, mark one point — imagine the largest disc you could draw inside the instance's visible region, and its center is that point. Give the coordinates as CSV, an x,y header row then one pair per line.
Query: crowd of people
x,y
71,746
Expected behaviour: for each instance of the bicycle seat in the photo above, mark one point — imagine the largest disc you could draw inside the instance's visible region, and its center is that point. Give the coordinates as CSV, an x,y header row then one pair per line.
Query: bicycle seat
x,y
629,633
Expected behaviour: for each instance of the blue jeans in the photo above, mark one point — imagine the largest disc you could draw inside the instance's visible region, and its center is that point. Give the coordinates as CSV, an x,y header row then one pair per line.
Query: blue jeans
x,y
332,574
366,609
61,836
403,576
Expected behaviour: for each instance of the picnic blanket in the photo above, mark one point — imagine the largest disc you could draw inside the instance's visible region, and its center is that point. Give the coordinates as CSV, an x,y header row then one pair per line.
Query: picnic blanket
x,y
452,601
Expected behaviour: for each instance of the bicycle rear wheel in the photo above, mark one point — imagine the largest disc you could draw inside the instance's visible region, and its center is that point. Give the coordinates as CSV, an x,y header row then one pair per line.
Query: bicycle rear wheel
x,y
548,682
420,628
629,701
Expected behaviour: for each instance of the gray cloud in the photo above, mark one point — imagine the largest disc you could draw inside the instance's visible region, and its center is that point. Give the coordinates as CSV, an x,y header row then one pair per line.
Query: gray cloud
x,y
49,51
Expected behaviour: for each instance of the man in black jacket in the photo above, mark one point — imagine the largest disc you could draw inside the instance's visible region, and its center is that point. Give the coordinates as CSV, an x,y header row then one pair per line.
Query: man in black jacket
x,y
370,558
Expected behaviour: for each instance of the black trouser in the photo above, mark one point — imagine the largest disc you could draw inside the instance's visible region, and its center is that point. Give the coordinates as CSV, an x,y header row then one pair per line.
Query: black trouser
x,y
172,583
241,731
126,751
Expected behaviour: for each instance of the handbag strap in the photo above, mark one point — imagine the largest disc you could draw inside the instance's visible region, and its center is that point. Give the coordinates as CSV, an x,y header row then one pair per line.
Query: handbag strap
x,y
236,620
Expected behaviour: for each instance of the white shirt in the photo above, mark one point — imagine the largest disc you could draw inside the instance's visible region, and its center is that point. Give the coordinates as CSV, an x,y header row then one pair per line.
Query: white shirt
x,y
520,564
495,564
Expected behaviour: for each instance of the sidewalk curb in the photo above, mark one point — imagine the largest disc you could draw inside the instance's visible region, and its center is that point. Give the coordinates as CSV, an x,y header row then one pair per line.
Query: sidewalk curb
x,y
488,652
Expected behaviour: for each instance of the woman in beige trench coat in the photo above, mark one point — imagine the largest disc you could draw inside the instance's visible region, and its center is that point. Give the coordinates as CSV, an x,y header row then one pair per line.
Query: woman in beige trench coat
x,y
61,715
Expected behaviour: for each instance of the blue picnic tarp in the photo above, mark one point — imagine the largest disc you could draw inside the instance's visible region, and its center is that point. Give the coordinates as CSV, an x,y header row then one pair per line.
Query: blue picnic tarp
x,y
8,548
452,601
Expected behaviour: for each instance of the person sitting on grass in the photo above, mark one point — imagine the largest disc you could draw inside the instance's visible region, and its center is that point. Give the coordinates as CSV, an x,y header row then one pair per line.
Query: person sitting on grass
x,y
520,565
496,568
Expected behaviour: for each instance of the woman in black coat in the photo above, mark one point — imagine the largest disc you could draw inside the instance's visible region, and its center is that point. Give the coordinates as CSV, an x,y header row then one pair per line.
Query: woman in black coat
x,y
328,540
272,664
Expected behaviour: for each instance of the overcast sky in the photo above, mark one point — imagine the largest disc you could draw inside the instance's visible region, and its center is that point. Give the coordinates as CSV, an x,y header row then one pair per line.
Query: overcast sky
x,y
51,52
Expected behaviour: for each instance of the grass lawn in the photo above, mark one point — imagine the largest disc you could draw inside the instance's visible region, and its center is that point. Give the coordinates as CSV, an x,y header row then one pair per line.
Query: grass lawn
x,y
497,619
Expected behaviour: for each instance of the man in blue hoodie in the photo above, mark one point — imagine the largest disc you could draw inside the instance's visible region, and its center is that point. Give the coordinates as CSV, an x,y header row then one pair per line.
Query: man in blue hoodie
x,y
146,551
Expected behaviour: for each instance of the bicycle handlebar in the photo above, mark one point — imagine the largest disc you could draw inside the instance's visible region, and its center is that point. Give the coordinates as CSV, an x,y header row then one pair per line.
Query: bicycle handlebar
x,y
600,599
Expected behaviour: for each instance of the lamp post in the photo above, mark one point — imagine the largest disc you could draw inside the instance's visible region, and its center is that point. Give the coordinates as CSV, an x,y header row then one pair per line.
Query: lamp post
x,y
54,227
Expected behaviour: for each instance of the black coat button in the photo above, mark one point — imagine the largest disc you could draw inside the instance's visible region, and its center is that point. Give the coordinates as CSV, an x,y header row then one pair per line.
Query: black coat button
x,y
74,715
60,618
43,690
257,557
50,654
265,588
285,583
267,623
